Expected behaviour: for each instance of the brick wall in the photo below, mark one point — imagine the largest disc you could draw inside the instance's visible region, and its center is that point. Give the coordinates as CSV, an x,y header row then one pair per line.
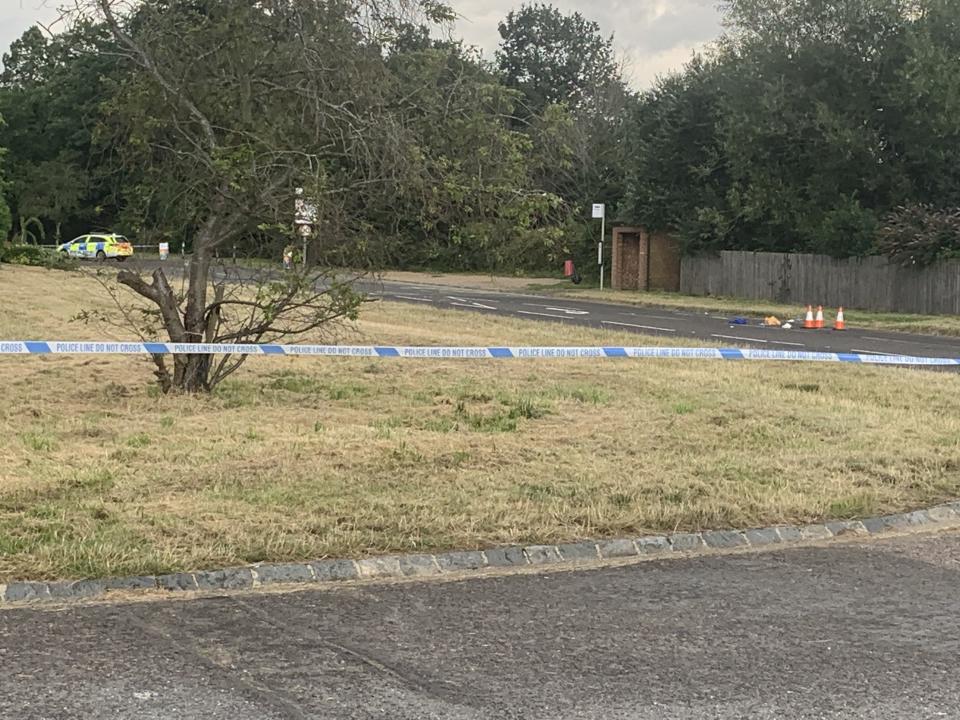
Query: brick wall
x,y
629,271
644,261
664,263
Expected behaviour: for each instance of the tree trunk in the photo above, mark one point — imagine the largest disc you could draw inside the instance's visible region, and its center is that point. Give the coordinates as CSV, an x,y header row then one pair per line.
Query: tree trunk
x,y
190,372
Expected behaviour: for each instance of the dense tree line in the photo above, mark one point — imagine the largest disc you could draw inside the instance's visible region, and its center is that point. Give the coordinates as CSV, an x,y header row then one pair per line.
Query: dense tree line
x,y
826,127
815,126
416,151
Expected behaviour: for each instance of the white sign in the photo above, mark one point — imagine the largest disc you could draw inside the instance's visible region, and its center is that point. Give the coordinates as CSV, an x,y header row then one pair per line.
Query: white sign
x,y
599,211
304,213
164,250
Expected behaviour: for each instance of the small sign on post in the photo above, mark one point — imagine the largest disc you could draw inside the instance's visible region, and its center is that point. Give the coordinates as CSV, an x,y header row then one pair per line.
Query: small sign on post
x,y
164,250
305,216
600,213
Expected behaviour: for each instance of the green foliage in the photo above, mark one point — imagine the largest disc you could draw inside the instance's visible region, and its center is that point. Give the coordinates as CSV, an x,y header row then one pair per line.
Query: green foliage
x,y
802,129
555,59
414,155
51,90
34,256
574,109
469,200
805,125
52,189
6,220
679,177
920,234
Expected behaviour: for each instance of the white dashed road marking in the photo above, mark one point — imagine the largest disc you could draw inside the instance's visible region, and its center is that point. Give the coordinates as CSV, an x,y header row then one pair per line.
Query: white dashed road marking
x,y
540,314
473,306
467,302
633,325
569,311
885,340
742,339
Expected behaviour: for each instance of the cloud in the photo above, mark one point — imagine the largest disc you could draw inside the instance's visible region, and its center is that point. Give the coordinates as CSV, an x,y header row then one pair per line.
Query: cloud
x,y
18,15
653,36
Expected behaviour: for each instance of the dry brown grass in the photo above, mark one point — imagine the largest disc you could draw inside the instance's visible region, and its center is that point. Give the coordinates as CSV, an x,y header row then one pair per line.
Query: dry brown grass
x,y
302,457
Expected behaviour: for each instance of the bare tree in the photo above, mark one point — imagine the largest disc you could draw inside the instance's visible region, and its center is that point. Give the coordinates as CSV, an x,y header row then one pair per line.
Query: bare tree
x,y
234,104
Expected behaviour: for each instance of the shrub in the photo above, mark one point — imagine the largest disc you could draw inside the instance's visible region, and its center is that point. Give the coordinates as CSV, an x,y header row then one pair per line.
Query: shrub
x,y
920,235
34,256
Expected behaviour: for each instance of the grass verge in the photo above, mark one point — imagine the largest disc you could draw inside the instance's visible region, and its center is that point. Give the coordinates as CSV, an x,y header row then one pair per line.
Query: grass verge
x,y
300,458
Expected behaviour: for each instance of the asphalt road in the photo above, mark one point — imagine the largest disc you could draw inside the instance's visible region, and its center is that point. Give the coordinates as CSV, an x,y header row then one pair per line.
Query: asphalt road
x,y
664,322
842,631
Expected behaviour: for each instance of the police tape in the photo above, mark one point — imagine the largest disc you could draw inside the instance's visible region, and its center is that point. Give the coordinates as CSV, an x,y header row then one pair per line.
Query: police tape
x,y
54,347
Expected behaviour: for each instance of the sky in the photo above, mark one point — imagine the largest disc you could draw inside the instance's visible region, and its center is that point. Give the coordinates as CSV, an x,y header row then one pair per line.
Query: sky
x,y
652,36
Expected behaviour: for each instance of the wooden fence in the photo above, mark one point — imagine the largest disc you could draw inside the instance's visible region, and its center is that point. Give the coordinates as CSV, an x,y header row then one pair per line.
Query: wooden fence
x,y
869,283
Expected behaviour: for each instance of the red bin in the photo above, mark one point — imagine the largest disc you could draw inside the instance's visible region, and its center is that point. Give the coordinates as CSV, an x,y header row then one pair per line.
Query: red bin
x,y
567,268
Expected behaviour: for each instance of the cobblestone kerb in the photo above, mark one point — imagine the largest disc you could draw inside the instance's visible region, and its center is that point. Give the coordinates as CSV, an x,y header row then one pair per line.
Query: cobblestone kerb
x,y
405,566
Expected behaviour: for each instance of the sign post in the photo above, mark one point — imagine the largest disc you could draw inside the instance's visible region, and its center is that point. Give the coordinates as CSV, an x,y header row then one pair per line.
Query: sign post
x,y
600,212
305,215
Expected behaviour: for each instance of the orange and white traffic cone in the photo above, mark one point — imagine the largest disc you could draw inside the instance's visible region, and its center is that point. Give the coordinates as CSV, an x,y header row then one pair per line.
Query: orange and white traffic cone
x,y
839,324
808,321
819,320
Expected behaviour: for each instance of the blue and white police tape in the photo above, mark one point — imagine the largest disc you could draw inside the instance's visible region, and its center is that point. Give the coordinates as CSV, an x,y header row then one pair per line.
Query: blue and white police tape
x,y
59,347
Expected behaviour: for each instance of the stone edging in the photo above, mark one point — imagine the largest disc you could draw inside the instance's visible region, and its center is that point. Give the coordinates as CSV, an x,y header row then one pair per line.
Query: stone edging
x,y
404,566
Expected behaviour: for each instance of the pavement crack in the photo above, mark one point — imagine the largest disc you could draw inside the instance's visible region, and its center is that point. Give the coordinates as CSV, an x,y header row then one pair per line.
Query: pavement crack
x,y
276,699
356,655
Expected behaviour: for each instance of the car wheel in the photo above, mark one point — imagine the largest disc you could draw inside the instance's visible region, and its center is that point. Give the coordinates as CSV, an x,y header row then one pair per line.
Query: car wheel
x,y
101,255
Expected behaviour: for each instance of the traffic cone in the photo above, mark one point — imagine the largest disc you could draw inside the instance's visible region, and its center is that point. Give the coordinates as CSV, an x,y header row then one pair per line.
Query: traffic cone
x,y
839,324
819,320
808,321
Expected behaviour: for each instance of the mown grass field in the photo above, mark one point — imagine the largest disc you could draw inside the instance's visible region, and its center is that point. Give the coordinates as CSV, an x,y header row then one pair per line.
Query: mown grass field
x,y
299,458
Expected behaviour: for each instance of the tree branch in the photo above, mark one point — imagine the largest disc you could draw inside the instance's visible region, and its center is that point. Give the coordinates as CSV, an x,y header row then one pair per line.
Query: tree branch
x,y
160,293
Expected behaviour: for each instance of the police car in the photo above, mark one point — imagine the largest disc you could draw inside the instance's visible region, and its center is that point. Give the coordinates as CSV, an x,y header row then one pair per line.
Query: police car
x,y
99,246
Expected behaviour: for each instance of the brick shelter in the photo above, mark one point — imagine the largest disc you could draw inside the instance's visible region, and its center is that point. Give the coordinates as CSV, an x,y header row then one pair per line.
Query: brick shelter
x,y
644,260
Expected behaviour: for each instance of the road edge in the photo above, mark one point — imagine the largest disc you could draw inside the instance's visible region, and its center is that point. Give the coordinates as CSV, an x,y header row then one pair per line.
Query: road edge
x,y
465,562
